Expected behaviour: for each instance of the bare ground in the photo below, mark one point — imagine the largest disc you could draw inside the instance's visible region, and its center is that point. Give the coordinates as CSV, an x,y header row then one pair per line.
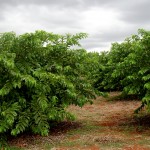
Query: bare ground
x,y
108,124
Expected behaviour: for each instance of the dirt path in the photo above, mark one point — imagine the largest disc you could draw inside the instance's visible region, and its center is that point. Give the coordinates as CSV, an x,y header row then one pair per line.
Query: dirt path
x,y
108,124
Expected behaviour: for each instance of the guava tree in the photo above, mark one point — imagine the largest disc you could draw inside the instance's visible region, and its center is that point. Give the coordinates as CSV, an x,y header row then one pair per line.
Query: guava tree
x,y
127,68
40,77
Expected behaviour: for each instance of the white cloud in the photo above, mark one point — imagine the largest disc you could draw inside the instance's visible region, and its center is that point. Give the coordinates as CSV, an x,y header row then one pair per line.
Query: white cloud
x,y
105,21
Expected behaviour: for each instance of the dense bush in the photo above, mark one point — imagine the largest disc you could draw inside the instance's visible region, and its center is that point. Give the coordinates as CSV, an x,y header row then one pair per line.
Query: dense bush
x,y
127,68
40,76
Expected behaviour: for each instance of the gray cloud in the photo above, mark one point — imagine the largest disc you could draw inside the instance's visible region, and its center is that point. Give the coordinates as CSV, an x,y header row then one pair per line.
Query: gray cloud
x,y
95,45
106,21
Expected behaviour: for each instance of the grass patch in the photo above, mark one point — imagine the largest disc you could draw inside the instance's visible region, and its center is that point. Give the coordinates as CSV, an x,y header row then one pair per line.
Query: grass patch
x,y
16,148
48,146
144,142
115,145
86,129
68,143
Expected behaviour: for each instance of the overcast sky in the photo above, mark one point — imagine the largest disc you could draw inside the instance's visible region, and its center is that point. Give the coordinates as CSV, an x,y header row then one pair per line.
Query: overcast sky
x,y
106,21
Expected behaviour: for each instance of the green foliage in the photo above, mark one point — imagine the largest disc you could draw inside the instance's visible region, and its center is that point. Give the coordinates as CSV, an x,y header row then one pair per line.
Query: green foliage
x,y
40,77
127,68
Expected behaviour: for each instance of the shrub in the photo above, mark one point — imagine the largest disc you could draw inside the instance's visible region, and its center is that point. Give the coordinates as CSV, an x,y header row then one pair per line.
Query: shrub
x,y
40,77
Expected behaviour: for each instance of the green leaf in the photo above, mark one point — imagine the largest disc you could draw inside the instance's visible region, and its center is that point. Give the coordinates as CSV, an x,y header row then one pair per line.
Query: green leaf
x,y
43,102
147,85
147,77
